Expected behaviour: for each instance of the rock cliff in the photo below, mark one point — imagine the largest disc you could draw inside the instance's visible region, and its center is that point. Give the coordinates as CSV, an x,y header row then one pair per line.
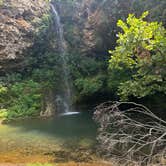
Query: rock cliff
x,y
90,25
18,23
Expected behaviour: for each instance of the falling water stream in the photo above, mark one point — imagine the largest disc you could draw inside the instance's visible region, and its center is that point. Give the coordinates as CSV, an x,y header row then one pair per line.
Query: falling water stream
x,y
65,98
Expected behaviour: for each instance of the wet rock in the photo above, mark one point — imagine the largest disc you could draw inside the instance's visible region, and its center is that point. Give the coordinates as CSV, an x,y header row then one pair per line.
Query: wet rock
x,y
49,105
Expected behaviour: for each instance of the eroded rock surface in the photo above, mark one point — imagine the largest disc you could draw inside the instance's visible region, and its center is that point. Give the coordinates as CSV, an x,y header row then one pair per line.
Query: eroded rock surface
x,y
90,25
18,22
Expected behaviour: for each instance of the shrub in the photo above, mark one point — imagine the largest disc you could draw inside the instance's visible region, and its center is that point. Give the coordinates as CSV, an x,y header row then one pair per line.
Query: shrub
x,y
21,99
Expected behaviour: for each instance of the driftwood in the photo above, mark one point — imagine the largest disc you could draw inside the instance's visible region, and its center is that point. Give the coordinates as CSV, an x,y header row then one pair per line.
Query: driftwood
x,y
130,132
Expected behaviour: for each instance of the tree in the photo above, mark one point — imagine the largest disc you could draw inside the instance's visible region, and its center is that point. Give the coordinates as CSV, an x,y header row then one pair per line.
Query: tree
x,y
141,52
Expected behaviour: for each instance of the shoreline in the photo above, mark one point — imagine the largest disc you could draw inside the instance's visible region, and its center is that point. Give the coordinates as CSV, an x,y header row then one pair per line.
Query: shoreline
x,y
62,164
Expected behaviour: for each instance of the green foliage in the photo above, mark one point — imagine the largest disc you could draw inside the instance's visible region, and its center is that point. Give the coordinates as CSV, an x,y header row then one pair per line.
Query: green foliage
x,y
4,96
157,10
44,23
116,77
141,87
141,50
3,90
3,113
20,99
82,66
89,86
130,72
11,78
87,75
46,77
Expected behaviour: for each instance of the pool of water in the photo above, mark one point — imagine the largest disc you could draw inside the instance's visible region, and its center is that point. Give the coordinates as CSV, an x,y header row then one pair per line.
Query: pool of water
x,y
48,135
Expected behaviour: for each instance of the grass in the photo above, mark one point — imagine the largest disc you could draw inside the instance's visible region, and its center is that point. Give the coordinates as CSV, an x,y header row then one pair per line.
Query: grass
x,y
3,113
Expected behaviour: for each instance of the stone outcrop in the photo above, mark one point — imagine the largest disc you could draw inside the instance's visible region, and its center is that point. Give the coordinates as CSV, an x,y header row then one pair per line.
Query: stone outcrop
x,y
89,25
18,22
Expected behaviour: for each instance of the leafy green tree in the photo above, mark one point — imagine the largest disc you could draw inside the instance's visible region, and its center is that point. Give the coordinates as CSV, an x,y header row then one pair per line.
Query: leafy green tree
x,y
141,53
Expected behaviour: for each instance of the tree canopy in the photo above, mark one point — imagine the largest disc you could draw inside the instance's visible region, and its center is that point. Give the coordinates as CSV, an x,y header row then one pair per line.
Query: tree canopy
x,y
140,51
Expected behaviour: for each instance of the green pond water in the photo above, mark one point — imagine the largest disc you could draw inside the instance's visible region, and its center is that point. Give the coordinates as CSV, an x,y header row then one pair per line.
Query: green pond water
x,y
47,135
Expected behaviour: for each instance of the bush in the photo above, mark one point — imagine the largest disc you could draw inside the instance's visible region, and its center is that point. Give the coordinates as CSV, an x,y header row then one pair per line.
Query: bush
x,y
89,86
21,99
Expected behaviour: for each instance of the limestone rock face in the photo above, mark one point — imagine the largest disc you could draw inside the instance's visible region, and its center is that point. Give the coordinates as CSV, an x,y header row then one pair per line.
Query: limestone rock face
x,y
100,19
18,23
90,25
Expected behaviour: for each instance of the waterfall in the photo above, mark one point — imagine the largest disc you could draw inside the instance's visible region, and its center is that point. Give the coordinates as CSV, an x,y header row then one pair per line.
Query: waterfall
x,y
66,99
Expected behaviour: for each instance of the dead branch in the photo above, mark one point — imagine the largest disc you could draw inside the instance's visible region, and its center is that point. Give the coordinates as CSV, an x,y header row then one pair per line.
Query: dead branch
x,y
130,132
